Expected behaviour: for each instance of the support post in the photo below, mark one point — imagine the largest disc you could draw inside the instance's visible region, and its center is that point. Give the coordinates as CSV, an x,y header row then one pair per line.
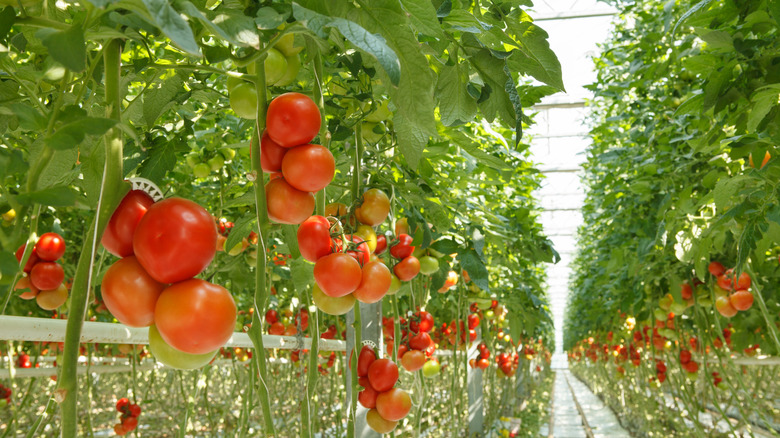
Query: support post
x,y
371,319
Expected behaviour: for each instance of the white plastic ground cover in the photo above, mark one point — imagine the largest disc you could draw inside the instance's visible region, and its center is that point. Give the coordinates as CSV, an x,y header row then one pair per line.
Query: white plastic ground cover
x,y
23,328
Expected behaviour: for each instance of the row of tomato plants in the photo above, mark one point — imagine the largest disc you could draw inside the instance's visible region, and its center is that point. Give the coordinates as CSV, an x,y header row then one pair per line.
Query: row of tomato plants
x,y
679,247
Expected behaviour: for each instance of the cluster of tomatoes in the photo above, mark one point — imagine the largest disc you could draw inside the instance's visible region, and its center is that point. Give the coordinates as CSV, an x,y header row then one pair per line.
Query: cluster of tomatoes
x,y
297,168
23,361
128,419
387,404
507,364
482,361
44,277
416,344
277,326
660,371
731,294
5,396
687,362
162,246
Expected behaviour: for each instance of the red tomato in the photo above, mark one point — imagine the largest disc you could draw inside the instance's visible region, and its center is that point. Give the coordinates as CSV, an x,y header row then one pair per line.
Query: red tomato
x,y
724,307
393,405
29,291
374,284
741,300
130,293
473,320
403,248
118,236
271,154
426,321
277,328
686,291
407,268
50,247
365,359
31,261
381,244
337,274
374,209
716,269
271,316
309,167
367,397
286,204
195,316
47,275
383,373
293,119
175,240
402,349
483,364
52,299
314,240
413,360
685,356
420,341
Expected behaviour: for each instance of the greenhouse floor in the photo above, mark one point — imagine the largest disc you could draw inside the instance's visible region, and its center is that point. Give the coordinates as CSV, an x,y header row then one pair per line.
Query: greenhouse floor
x,y
568,421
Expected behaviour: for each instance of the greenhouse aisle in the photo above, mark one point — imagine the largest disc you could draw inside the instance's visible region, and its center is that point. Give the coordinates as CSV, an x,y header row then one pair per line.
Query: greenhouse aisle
x,y
567,422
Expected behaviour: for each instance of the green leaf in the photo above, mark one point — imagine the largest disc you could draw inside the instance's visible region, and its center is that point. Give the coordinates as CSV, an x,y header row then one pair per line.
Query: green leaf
x,y
8,264
491,70
30,119
456,106
268,18
423,18
239,27
726,189
161,159
302,274
357,35
158,100
246,199
72,134
473,264
172,25
246,28
67,47
7,18
445,246
763,101
52,196
690,12
461,20
241,230
534,56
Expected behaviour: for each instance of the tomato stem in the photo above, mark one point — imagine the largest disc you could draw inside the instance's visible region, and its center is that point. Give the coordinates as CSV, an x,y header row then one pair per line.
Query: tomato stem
x,y
111,192
261,286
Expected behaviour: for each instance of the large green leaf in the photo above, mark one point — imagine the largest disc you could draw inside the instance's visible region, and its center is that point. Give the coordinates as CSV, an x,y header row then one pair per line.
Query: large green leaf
x,y
72,134
354,33
534,57
456,105
173,25
66,46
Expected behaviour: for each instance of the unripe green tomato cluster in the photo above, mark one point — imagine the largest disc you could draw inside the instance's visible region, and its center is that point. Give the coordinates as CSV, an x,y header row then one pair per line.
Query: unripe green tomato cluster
x,y
206,161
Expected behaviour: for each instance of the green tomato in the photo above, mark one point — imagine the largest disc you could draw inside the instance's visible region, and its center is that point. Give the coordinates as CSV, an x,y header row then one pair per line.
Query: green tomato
x,y
233,82
3,403
169,356
216,162
331,305
395,285
431,368
660,314
429,265
227,153
293,66
286,45
489,314
243,100
275,66
193,159
678,308
380,114
201,170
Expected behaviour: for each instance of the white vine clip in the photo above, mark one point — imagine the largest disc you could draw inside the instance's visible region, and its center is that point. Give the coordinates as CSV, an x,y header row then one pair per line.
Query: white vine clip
x,y
147,186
